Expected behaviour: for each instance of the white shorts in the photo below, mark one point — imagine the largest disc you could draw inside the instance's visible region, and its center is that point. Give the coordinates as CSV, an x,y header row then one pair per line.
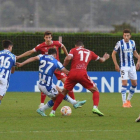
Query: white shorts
x,y
52,93
128,73
3,86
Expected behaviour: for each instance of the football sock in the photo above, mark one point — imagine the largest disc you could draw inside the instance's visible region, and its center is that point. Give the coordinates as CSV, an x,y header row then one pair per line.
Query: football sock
x,y
0,101
95,98
70,100
95,106
53,111
43,97
49,104
123,92
71,94
58,101
131,92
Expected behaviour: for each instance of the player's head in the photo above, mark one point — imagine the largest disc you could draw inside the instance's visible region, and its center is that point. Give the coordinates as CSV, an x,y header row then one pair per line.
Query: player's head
x,y
79,43
126,35
52,51
48,37
7,44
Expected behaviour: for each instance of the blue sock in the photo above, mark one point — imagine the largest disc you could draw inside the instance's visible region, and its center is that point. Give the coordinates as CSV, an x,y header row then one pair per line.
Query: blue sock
x,y
0,101
65,98
131,92
50,103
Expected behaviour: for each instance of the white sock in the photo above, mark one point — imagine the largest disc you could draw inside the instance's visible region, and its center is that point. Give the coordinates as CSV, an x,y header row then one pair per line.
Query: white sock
x,y
45,107
123,92
95,106
53,111
131,92
70,100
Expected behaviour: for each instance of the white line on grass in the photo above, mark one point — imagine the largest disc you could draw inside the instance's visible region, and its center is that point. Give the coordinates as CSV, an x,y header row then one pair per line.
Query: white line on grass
x,y
69,131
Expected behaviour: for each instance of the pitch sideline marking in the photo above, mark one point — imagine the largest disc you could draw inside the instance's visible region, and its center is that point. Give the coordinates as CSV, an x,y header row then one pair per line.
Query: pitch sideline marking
x,y
69,131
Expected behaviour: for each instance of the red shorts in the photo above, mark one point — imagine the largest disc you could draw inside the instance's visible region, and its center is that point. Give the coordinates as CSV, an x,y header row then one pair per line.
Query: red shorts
x,y
60,75
78,76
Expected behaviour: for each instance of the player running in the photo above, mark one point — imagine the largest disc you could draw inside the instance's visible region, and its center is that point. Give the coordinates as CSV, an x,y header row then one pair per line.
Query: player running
x,y
7,66
43,48
80,58
47,66
126,49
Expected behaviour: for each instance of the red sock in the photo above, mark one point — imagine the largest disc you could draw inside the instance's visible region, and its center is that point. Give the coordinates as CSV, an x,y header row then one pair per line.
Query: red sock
x,y
58,101
43,97
71,94
95,98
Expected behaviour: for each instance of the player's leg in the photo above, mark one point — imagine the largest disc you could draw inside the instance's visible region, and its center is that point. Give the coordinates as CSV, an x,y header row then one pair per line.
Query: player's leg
x,y
124,78
3,88
43,97
133,77
1,98
62,76
70,93
87,83
138,119
123,92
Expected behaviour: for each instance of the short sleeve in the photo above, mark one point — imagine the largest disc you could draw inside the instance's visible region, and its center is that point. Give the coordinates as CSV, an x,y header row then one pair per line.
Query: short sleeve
x,y
117,46
71,52
40,56
94,56
134,46
59,65
37,48
14,60
60,44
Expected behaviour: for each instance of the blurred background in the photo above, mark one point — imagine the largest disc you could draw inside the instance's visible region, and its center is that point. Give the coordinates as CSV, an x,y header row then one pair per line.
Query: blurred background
x,y
69,15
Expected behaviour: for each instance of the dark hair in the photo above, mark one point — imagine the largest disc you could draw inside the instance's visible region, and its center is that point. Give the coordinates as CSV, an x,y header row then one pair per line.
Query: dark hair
x,y
126,31
79,43
48,33
6,43
52,51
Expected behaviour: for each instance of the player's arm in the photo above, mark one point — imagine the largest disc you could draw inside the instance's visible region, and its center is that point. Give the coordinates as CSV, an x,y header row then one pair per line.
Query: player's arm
x,y
104,58
138,57
117,68
64,70
32,59
26,54
13,69
64,50
67,60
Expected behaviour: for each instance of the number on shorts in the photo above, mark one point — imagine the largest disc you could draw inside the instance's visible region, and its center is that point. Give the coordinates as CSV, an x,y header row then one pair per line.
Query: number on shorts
x,y
122,72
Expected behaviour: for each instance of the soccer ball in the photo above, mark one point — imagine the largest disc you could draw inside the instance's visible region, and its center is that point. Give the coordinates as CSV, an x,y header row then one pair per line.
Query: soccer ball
x,y
66,111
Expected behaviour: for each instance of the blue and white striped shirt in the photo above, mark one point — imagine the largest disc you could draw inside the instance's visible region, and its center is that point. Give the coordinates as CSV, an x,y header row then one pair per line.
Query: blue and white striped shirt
x,y
125,50
7,61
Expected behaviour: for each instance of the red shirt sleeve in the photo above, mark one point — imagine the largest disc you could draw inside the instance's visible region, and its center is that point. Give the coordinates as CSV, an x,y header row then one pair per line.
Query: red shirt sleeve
x,y
94,56
59,44
37,48
71,52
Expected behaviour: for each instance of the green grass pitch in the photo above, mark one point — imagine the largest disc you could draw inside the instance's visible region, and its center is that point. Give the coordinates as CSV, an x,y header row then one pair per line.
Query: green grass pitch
x,y
19,120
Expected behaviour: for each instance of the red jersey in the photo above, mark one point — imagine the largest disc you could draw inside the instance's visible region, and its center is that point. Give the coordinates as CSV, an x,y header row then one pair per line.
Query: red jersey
x,y
43,48
81,58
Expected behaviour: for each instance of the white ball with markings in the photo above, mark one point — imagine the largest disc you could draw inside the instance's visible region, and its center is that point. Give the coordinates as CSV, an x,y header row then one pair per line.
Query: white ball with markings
x,y
66,111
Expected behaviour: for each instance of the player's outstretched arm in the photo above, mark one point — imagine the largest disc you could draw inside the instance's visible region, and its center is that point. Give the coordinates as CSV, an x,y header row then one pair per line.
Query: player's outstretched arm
x,y
117,68
13,69
104,58
67,60
65,70
32,59
25,54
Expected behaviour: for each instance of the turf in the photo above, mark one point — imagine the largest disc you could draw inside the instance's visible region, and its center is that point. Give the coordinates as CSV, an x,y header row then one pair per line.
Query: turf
x,y
19,120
